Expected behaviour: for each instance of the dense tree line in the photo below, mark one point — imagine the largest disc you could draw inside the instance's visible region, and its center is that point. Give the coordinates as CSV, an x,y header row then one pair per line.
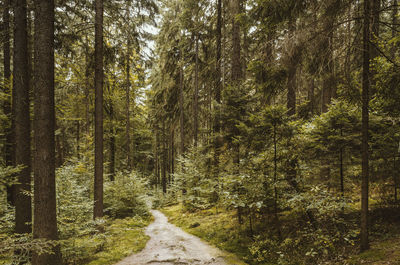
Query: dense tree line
x,y
271,100
59,59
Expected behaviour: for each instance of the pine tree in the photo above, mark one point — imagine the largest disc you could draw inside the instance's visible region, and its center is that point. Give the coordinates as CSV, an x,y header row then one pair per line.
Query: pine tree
x,y
22,130
365,125
98,80
45,220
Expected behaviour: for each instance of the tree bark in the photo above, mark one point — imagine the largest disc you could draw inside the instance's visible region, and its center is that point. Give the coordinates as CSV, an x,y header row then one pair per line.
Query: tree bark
x,y
157,158
22,130
236,77
394,27
164,159
172,154
365,125
218,85
45,219
8,148
112,144
292,70
98,81
196,95
127,95
376,6
87,91
236,50
328,67
181,108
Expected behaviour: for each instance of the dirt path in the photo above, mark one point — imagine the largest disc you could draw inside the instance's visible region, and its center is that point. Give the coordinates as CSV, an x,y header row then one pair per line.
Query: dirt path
x,y
170,245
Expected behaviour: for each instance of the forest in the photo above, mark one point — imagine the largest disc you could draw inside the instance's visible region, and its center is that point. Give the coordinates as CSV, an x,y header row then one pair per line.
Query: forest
x,y
199,132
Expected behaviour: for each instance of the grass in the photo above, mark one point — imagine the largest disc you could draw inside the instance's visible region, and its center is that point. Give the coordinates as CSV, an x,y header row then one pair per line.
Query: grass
x,y
382,251
220,229
123,237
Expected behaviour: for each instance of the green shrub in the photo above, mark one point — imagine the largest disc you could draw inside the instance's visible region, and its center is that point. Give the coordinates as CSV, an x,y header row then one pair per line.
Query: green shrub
x,y
125,196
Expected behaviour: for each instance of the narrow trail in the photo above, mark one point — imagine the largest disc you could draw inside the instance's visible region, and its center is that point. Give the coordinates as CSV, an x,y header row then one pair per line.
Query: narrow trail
x,y
170,245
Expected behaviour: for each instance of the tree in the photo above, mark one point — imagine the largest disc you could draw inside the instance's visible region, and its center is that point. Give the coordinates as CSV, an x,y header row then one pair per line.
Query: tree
x,y
128,88
8,149
45,220
218,85
98,80
22,130
365,121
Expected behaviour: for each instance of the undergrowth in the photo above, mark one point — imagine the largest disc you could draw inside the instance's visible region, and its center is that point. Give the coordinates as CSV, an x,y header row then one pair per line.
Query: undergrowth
x,y
260,244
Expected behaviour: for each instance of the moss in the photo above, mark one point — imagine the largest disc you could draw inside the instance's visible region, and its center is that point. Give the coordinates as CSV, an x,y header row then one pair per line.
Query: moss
x,y
220,229
123,238
381,252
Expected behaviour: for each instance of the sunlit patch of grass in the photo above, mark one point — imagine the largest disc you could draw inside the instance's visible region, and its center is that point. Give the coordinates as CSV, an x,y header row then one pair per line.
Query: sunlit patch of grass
x,y
381,252
220,229
123,238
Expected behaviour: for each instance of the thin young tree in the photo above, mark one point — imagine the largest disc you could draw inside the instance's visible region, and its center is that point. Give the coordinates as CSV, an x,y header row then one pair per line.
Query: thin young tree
x,y
365,124
217,89
22,130
127,91
181,108
98,130
45,218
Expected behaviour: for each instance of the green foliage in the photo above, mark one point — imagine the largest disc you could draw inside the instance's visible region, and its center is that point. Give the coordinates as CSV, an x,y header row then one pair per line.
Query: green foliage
x,y
8,175
24,245
125,196
79,236
192,179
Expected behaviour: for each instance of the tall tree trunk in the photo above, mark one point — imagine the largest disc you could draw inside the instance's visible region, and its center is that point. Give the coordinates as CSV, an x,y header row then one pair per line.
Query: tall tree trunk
x,y
236,64
172,153
236,50
394,27
157,160
328,67
8,149
341,166
181,109
218,85
78,138
328,86
127,95
164,158
98,138
236,72
393,56
112,144
311,95
291,98
374,38
196,95
376,6
365,125
45,218
22,134
59,147
87,90
292,70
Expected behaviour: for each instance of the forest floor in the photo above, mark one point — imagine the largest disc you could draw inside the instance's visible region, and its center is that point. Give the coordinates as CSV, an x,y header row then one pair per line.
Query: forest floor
x,y
383,252
220,229
170,245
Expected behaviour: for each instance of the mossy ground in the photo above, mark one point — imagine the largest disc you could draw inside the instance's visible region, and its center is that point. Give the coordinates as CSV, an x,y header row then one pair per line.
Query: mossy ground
x,y
384,251
222,230
123,237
